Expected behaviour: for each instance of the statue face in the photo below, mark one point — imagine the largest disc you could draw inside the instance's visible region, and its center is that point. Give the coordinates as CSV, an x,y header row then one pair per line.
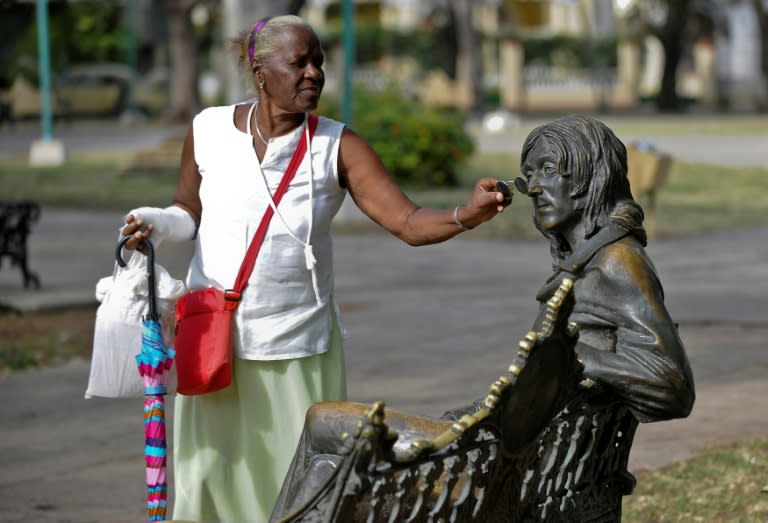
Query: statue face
x,y
553,206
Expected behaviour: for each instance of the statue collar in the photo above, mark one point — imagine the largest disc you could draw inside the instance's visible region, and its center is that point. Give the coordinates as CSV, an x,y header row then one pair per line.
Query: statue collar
x,y
581,256
574,263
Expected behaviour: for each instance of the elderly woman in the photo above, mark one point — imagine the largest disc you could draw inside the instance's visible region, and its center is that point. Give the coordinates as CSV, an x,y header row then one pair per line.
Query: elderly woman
x,y
232,447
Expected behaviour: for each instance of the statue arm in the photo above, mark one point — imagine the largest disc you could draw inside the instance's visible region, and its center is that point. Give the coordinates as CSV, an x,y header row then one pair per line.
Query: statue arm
x,y
643,359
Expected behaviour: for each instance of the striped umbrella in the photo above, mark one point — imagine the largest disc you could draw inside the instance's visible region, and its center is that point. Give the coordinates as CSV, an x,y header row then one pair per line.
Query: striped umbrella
x,y
154,363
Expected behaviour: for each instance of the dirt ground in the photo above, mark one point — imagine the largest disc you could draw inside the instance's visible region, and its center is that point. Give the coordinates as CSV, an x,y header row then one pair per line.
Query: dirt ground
x,y
34,339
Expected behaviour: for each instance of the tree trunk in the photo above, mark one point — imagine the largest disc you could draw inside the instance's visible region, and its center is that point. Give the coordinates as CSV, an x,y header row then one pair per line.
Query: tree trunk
x,y
471,51
671,37
184,99
294,6
762,19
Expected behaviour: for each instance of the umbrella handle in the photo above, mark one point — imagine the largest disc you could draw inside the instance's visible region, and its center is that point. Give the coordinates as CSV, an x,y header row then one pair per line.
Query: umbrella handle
x,y
150,270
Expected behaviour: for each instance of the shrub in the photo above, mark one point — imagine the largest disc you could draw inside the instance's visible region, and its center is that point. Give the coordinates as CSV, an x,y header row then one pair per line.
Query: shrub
x,y
421,147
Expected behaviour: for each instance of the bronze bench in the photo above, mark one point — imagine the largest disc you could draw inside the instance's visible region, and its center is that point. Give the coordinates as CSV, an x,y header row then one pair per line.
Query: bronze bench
x,y
513,456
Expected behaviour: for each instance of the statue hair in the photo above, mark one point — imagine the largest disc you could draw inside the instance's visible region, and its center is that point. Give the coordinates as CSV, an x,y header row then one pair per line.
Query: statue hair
x,y
590,154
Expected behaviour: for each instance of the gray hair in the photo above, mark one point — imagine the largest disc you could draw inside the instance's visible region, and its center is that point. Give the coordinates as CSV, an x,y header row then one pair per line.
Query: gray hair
x,y
258,44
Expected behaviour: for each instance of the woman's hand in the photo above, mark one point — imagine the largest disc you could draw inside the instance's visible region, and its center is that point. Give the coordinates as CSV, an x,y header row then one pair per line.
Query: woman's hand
x,y
138,230
485,202
173,223
177,222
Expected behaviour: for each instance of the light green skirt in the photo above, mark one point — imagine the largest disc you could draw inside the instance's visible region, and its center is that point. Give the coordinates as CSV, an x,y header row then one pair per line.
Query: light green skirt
x,y
232,448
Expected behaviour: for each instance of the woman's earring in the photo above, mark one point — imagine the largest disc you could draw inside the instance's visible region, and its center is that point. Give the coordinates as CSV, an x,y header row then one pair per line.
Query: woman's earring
x,y
261,84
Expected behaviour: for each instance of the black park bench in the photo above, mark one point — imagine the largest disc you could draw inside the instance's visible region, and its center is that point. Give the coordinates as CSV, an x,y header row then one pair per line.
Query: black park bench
x,y
16,220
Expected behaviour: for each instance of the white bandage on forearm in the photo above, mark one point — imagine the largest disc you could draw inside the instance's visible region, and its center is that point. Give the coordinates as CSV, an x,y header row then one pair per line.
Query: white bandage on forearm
x,y
172,223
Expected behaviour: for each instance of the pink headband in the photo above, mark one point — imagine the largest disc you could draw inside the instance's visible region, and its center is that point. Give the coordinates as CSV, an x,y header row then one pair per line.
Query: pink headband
x,y
256,28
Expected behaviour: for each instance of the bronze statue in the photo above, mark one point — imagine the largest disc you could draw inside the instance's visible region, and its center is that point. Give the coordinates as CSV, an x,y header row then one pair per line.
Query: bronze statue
x,y
551,440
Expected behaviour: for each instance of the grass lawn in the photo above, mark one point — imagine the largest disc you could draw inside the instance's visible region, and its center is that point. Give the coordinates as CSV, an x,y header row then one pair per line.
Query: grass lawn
x,y
723,485
85,181
37,339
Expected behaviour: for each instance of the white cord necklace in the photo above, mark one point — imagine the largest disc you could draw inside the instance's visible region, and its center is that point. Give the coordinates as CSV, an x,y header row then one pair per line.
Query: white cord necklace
x,y
258,131
309,256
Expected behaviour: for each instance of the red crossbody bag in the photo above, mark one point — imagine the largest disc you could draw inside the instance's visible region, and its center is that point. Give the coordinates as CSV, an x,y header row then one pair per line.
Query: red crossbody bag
x,y
204,317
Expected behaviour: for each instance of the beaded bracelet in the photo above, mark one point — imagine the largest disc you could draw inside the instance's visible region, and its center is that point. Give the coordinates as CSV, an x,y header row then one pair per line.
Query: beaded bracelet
x,y
458,222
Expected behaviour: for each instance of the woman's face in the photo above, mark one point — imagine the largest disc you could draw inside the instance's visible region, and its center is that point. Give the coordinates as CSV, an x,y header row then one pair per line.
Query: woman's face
x,y
553,206
293,75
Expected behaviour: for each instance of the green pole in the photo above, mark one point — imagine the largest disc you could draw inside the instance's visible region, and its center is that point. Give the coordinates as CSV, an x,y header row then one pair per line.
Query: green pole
x,y
348,40
133,56
44,59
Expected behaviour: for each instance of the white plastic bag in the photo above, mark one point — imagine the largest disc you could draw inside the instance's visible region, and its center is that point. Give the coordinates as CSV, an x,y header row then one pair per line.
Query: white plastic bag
x,y
124,300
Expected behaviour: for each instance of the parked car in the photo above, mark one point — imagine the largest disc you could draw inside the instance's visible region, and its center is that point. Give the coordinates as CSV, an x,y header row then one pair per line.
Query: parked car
x,y
102,89
94,89
98,89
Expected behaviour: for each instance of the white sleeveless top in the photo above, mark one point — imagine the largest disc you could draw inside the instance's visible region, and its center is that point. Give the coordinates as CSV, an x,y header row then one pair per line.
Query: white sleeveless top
x,y
283,313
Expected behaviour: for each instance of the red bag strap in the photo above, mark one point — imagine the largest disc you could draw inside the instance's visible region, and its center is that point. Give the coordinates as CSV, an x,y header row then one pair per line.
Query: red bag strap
x,y
246,268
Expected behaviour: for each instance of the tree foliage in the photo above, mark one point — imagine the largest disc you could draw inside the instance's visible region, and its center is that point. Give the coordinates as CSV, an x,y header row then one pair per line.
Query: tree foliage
x,y
185,61
83,31
761,8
